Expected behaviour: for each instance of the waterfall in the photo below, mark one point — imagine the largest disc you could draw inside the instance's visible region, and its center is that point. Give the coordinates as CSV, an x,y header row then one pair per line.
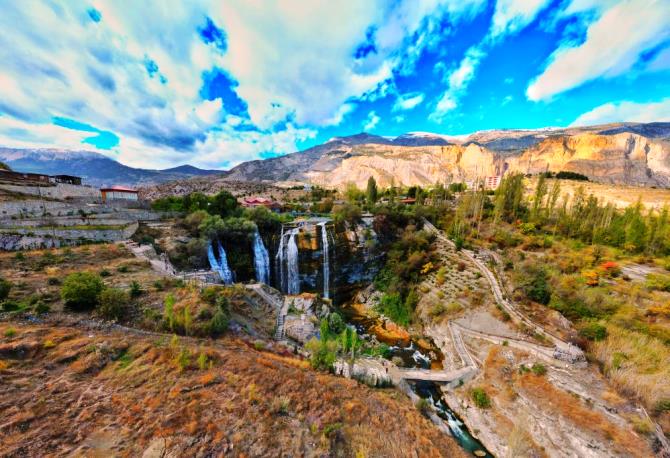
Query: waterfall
x,y
293,275
224,271
213,263
326,260
220,265
261,259
280,261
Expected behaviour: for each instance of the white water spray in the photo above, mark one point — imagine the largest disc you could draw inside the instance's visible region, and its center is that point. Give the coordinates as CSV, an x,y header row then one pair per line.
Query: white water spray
x,y
279,260
293,275
261,260
326,260
224,271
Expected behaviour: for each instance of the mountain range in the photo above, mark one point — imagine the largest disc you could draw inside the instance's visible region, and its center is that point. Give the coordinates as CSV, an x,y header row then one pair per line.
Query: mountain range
x,y
94,168
620,153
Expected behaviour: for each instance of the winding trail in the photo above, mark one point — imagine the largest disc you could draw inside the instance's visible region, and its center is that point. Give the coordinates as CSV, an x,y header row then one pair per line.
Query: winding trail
x,y
562,350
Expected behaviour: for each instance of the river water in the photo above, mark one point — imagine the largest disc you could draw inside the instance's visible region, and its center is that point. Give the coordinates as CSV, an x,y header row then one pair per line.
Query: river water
x,y
414,356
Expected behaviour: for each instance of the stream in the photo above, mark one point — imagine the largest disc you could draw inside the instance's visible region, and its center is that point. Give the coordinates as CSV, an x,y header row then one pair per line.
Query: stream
x,y
414,356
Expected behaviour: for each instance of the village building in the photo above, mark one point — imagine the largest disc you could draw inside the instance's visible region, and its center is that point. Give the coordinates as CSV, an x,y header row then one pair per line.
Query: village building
x,y
492,182
118,193
252,202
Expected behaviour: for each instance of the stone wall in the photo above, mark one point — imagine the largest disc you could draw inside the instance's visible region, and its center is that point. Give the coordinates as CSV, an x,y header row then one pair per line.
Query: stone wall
x,y
34,238
38,208
58,191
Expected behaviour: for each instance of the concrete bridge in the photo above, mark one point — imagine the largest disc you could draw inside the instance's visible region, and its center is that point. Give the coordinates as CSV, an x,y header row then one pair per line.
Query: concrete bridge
x,y
428,375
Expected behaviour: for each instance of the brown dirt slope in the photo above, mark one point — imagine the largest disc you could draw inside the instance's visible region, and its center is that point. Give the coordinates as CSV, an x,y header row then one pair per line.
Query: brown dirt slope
x,y
66,391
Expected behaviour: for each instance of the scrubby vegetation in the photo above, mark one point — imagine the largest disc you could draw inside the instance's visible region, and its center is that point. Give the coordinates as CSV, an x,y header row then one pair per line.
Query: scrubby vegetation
x,y
128,394
573,255
81,290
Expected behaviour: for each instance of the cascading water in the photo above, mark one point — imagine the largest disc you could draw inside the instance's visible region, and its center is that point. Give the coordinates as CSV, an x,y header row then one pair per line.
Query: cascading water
x,y
224,271
213,262
220,265
279,259
293,275
261,260
326,260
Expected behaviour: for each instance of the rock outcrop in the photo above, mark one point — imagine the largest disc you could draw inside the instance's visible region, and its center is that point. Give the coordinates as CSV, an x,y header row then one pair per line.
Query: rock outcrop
x,y
633,154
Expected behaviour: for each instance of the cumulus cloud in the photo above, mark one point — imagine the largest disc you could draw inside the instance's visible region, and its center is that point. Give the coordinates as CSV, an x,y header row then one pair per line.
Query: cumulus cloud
x,y
371,121
408,101
510,16
626,111
273,72
457,83
614,43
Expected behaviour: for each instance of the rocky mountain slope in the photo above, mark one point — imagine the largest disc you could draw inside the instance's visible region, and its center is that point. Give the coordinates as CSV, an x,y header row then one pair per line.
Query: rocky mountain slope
x,y
94,168
623,153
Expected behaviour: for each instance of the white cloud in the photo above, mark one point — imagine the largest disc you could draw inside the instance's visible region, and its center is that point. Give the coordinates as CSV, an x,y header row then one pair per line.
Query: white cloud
x,y
294,61
511,16
626,111
408,101
295,54
613,45
457,83
371,121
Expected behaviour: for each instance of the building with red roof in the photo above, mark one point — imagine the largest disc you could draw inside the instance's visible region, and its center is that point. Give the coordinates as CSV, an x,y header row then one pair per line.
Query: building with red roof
x,y
251,202
118,193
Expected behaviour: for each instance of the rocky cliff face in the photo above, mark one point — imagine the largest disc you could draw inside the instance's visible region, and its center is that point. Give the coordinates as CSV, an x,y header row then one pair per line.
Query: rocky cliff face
x,y
636,154
354,258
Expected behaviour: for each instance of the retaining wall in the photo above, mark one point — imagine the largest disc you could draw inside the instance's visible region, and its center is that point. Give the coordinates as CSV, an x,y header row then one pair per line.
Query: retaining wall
x,y
58,191
34,238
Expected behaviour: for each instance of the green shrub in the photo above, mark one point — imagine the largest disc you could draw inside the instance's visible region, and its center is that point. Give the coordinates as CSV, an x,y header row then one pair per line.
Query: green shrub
x,y
40,307
480,398
113,303
10,332
336,323
392,306
5,288
9,306
105,273
538,369
219,323
658,282
135,289
53,281
123,268
183,359
663,406
202,361
423,406
593,331
80,290
322,353
538,289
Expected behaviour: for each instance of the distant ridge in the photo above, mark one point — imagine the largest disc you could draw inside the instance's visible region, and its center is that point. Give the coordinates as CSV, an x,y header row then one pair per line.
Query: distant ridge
x,y
94,168
619,153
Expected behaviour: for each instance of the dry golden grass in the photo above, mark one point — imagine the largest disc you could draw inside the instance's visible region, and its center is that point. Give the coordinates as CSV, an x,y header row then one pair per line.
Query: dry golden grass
x,y
637,365
248,403
582,416
504,384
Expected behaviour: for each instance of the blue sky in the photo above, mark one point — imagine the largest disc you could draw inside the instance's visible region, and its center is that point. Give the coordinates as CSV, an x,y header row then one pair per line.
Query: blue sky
x,y
210,83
